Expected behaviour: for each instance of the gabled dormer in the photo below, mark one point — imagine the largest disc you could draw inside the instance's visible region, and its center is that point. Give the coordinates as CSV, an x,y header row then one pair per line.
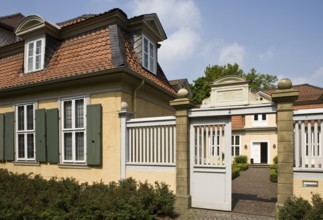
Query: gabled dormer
x,y
146,32
37,34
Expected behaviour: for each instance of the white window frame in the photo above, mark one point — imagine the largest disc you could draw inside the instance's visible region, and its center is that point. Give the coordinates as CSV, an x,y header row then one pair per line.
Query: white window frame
x,y
73,130
260,122
25,132
234,145
42,54
152,59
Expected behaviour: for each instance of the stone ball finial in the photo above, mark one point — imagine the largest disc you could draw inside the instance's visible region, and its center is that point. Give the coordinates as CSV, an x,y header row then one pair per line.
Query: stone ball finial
x,y
124,106
285,84
182,93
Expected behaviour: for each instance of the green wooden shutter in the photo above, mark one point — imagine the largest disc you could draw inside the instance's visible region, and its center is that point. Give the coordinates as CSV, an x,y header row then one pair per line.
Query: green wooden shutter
x,y
94,134
9,136
1,137
52,139
40,135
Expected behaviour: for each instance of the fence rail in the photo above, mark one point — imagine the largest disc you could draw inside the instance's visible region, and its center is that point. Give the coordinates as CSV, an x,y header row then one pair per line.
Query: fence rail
x,y
152,141
308,139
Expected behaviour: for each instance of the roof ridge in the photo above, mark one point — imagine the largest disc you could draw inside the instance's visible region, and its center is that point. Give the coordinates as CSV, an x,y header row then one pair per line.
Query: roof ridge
x,y
307,84
12,15
80,19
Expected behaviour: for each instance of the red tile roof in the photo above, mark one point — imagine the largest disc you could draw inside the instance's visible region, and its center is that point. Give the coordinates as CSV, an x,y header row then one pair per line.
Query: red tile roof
x,y
238,122
308,94
82,54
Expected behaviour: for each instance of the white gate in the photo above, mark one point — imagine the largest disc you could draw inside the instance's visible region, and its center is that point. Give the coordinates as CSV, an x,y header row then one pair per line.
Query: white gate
x,y
210,152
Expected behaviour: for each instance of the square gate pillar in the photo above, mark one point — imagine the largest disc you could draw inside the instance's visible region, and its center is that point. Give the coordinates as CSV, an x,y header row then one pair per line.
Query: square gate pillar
x,y
285,96
183,197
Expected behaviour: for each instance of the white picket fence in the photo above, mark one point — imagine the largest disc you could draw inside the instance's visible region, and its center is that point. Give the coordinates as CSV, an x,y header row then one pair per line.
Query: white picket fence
x,y
308,139
151,141
209,150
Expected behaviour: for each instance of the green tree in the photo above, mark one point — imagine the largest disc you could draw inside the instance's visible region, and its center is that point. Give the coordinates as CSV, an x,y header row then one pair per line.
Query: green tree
x,y
201,87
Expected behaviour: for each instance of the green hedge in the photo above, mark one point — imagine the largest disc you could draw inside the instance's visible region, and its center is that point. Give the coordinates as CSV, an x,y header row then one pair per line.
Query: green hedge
x,y
241,159
235,171
298,208
31,197
273,175
273,172
243,166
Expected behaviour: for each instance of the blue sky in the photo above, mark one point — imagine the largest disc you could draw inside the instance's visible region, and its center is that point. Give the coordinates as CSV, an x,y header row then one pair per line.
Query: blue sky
x,y
282,38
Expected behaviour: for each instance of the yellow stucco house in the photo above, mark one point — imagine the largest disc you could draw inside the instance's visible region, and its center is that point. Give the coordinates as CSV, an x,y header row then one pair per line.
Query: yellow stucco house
x,y
62,85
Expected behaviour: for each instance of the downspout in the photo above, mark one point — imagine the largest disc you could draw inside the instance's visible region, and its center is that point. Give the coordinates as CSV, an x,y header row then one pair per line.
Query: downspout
x,y
134,98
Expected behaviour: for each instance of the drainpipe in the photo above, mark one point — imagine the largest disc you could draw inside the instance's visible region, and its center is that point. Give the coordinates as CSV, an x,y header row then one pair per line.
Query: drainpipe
x,y
134,98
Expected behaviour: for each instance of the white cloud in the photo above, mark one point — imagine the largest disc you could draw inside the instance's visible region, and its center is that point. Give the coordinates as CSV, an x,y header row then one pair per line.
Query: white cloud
x,y
268,55
172,13
233,53
179,46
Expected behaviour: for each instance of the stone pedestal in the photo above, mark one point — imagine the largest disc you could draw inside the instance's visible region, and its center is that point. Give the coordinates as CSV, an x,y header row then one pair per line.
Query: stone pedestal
x,y
284,97
183,197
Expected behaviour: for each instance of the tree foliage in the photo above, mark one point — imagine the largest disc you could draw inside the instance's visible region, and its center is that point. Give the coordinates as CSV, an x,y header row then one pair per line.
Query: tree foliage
x,y
201,87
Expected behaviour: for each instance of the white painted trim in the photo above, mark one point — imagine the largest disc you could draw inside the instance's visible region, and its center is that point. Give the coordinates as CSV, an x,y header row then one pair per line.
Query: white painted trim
x,y
150,168
233,110
42,55
73,130
308,173
25,132
153,121
154,71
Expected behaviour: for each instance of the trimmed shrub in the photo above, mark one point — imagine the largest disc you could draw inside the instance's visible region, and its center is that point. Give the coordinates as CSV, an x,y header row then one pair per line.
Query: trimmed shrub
x,y
31,197
241,159
275,160
235,171
273,172
273,175
243,166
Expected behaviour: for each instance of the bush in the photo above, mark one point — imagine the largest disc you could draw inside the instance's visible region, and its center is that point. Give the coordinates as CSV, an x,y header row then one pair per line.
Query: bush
x,y
243,166
294,209
273,172
241,159
316,212
235,171
275,160
273,175
31,197
298,208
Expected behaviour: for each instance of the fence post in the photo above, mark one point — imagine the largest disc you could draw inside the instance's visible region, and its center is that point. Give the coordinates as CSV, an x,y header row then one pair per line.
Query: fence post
x,y
182,104
124,116
285,96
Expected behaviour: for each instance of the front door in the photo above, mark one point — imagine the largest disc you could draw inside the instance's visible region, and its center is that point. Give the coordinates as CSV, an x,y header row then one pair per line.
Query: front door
x,y
259,152
210,152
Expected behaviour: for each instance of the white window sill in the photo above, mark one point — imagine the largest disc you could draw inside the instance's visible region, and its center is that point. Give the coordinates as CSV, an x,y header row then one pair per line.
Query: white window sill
x,y
26,163
73,166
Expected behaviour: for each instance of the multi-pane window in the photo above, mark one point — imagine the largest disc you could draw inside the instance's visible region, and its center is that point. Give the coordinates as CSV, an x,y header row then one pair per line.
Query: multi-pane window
x,y
260,120
25,132
235,145
34,55
73,132
149,55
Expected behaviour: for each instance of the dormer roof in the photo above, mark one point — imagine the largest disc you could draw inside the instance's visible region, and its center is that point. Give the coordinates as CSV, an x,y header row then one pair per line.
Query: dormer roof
x,y
81,48
35,23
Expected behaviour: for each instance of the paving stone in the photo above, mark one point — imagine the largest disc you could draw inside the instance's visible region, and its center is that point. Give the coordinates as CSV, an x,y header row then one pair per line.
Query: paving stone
x,y
254,197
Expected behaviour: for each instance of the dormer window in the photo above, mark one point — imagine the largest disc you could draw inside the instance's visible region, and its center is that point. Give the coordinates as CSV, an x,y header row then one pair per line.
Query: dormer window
x,y
260,120
34,54
149,58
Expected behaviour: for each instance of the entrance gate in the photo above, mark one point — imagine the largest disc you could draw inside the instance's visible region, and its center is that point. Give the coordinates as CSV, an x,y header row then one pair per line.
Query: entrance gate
x,y
210,153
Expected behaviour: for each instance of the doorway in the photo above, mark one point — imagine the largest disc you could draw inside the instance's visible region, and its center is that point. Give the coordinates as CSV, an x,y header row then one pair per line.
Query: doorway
x,y
259,152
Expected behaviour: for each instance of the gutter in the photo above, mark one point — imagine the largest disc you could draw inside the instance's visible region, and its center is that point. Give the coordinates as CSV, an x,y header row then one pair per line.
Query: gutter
x,y
134,97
